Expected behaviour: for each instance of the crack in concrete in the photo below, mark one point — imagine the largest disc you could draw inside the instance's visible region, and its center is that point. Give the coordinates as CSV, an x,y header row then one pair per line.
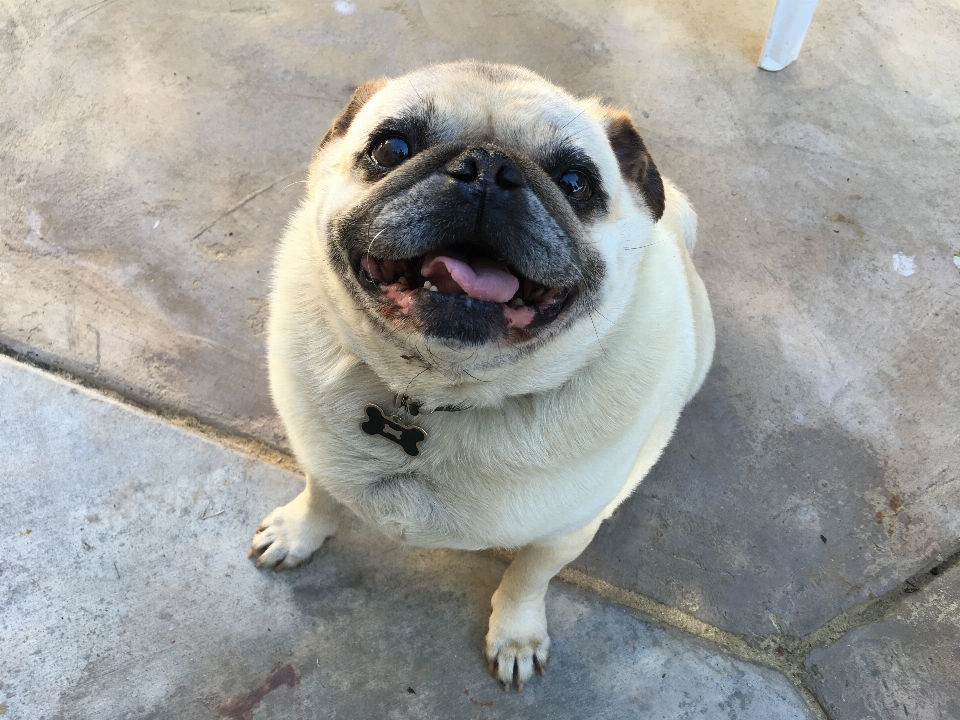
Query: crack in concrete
x,y
84,13
240,204
784,653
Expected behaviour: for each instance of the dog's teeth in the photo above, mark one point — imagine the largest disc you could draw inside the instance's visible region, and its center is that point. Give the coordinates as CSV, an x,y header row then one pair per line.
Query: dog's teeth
x,y
433,288
402,280
426,284
516,302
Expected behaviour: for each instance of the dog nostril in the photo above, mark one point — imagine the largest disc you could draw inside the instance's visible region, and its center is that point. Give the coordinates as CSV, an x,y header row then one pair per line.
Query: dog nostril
x,y
464,169
486,168
509,177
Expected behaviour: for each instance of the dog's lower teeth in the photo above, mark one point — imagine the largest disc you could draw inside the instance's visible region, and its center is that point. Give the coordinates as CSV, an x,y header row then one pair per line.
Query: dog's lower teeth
x,y
516,302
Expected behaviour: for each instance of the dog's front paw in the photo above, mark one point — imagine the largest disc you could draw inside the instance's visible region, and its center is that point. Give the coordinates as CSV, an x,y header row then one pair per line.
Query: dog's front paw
x,y
289,535
517,642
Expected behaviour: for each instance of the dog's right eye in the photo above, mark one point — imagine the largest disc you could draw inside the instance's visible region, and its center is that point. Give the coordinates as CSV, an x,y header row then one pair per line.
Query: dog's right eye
x,y
576,184
391,152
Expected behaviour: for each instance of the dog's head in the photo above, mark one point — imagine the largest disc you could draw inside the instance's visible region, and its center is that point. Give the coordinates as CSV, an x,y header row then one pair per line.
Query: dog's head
x,y
471,207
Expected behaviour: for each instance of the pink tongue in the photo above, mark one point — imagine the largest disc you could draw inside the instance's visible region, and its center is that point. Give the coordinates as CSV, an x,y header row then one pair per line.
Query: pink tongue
x,y
479,278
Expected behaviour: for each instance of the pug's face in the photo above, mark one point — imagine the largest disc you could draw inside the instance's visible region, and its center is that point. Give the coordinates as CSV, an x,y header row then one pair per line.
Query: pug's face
x,y
475,205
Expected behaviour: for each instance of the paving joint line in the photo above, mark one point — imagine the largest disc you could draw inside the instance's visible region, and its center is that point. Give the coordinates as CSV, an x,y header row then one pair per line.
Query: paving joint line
x,y
759,651
784,653
111,391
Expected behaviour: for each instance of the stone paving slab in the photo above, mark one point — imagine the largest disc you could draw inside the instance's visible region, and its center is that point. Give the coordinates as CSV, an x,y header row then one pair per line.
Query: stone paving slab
x,y
907,666
121,601
145,169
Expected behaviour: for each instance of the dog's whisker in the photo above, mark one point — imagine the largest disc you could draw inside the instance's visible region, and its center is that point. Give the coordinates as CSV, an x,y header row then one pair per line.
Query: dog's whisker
x,y
571,121
406,390
374,240
466,372
601,315
599,342
641,247
297,182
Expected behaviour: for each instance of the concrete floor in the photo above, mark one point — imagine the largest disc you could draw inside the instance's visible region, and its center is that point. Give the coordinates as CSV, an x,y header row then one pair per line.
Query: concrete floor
x,y
122,601
148,155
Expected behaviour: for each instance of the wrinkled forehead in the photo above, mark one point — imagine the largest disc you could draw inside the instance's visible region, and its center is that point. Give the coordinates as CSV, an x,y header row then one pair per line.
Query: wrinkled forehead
x,y
508,106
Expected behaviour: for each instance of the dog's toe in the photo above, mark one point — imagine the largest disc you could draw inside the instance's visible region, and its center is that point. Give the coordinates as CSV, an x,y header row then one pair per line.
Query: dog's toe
x,y
272,556
514,663
517,643
262,540
289,535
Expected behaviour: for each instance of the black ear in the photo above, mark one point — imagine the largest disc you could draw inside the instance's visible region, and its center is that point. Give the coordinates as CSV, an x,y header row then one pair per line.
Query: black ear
x,y
359,98
636,165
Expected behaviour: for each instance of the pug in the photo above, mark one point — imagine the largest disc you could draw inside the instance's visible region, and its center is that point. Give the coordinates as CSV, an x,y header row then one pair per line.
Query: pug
x,y
484,325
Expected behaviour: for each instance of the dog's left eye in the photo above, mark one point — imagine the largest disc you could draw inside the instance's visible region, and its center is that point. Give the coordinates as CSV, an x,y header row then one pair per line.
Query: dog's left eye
x,y
391,152
575,184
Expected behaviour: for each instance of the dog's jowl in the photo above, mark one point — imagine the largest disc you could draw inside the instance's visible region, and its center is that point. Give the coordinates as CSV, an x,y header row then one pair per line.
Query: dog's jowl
x,y
475,239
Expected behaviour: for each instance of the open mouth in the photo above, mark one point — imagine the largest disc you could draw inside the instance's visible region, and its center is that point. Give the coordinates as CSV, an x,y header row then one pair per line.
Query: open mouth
x,y
463,274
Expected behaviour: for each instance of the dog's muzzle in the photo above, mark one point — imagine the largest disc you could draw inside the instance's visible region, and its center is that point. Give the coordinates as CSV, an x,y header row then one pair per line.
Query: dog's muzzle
x,y
468,285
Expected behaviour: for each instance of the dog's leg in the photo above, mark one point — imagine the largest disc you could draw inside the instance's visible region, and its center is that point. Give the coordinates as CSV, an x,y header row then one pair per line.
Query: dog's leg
x,y
517,642
289,535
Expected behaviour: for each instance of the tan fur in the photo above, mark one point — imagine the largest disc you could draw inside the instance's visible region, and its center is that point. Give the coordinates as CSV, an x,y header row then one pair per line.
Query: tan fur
x,y
556,437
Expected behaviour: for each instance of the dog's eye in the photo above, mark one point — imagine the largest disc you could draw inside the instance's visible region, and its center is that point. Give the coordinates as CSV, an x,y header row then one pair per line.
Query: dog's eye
x,y
575,184
391,152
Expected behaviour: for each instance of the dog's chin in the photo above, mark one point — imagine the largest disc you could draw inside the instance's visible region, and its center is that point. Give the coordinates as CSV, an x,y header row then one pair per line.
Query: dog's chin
x,y
461,296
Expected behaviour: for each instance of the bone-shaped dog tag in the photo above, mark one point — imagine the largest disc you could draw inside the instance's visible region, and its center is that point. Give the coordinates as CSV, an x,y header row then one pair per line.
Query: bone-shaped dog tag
x,y
408,437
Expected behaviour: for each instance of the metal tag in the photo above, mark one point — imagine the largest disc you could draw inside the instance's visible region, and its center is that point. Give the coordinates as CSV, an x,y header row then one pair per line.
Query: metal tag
x,y
379,423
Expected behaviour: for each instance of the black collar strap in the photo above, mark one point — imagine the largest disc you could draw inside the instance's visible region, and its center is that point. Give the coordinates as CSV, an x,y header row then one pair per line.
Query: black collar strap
x,y
414,407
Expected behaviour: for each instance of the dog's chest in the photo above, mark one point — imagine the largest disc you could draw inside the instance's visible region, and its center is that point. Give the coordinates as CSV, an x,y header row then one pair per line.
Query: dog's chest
x,y
461,479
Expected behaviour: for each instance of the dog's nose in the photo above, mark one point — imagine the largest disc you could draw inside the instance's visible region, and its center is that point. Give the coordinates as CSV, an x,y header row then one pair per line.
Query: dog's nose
x,y
483,167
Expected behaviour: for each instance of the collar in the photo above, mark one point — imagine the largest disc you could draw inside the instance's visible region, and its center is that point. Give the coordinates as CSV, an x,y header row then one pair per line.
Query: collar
x,y
415,407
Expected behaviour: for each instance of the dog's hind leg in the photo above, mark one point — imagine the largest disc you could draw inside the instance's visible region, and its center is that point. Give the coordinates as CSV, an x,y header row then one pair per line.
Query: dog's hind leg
x,y
287,537
517,642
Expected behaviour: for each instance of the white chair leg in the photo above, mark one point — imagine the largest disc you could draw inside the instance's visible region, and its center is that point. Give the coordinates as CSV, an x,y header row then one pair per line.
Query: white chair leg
x,y
788,28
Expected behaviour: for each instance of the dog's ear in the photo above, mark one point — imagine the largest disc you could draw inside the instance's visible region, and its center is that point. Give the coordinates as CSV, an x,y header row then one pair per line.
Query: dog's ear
x,y
636,165
342,122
